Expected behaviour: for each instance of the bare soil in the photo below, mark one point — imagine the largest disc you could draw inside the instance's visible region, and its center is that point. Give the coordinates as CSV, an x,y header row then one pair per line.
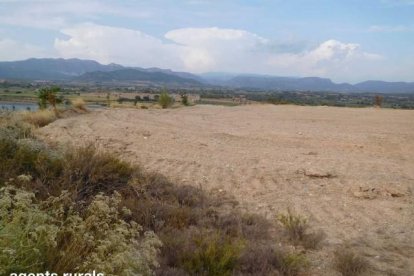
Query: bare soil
x,y
350,171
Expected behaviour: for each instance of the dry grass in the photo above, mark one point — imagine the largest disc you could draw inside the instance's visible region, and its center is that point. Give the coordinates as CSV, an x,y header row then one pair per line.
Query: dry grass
x,y
79,103
297,228
350,263
40,118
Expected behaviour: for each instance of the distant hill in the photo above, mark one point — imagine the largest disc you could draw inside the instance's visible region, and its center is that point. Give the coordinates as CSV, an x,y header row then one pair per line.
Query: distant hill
x,y
92,71
69,69
51,69
129,74
266,82
385,87
185,75
288,83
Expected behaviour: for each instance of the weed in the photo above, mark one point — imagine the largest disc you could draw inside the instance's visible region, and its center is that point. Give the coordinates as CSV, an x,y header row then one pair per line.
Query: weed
x,y
349,263
79,103
292,264
40,118
210,253
88,172
297,229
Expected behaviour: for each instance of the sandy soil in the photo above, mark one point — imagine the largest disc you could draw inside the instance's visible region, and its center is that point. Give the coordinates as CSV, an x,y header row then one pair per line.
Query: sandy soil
x,y
351,171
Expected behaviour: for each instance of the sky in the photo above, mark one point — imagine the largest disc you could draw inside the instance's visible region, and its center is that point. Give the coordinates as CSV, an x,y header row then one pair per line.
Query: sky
x,y
345,40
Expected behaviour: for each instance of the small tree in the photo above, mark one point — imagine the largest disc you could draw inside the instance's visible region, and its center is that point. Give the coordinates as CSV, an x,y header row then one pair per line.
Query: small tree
x,y
165,100
136,100
48,95
108,99
378,100
184,99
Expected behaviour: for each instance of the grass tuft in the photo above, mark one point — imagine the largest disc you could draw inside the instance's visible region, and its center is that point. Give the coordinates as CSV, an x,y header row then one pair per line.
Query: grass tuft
x,y
40,118
350,263
297,228
79,103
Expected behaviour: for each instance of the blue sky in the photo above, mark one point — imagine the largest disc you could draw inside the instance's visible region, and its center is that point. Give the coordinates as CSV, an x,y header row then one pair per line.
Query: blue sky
x,y
344,40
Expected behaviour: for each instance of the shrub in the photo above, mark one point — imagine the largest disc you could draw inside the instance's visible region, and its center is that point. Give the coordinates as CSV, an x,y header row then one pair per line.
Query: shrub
x,y
291,264
26,232
26,157
295,225
297,229
79,103
40,118
165,100
378,100
258,259
88,172
349,263
184,99
210,253
52,236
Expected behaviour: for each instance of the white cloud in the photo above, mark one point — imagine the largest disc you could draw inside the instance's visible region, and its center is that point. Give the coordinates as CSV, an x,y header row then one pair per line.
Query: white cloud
x,y
331,58
109,44
11,50
213,49
207,49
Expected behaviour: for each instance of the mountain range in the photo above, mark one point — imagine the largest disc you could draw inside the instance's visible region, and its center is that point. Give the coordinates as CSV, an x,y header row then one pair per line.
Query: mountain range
x,y
89,71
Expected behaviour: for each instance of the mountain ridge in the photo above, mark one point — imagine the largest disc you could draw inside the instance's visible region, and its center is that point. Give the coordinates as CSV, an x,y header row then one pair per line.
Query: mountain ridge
x,y
58,69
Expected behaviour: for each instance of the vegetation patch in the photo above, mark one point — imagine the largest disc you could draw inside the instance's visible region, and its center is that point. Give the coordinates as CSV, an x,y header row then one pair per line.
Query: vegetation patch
x,y
297,228
80,208
350,263
40,118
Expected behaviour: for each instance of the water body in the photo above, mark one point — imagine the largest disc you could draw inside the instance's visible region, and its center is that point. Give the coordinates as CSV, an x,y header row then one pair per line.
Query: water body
x,y
14,106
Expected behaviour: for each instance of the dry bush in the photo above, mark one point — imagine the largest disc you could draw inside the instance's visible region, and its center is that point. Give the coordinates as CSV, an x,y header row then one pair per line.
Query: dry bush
x,y
79,103
201,251
350,263
265,259
297,228
20,154
40,118
378,100
52,236
259,259
292,264
255,227
88,172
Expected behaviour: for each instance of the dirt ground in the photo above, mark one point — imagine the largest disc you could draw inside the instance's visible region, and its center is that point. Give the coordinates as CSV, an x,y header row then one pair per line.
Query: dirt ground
x,y
350,171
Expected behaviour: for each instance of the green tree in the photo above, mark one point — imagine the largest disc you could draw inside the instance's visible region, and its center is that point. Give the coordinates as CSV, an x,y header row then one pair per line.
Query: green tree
x,y
48,95
165,100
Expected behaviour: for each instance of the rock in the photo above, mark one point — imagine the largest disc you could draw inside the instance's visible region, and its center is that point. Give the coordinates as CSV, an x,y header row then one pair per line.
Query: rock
x,y
364,195
317,174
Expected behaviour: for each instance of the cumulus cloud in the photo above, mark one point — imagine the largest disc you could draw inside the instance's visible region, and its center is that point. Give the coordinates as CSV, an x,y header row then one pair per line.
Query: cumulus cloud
x,y
331,58
212,49
207,49
109,44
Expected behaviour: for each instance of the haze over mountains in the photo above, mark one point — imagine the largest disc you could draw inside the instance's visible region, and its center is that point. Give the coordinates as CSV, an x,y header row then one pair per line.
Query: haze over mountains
x,y
89,71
